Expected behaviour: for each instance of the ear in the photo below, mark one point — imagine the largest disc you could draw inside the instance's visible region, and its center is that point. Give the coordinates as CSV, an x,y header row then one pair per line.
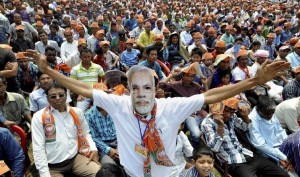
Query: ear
x,y
193,162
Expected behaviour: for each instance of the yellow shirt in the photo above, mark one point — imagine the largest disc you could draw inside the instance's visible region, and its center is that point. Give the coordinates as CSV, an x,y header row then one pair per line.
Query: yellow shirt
x,y
144,39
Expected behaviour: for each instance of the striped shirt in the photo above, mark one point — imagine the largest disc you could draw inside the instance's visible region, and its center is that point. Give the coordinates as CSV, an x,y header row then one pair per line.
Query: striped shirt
x,y
192,172
229,146
89,76
291,90
290,147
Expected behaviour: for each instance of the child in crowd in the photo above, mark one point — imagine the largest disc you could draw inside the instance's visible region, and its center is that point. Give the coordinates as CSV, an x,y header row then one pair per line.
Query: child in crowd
x,y
207,60
203,161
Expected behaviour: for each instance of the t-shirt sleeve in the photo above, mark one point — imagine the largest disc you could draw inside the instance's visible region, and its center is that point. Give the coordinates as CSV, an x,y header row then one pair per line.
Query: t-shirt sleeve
x,y
10,56
108,102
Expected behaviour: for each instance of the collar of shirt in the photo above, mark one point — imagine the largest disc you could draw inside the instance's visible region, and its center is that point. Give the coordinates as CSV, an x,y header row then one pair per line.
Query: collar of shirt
x,y
91,67
9,97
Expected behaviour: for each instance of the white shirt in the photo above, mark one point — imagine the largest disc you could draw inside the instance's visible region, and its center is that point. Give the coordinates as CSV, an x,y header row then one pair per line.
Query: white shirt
x,y
191,47
40,46
66,144
135,33
171,112
46,28
91,43
240,75
185,37
73,59
67,49
183,147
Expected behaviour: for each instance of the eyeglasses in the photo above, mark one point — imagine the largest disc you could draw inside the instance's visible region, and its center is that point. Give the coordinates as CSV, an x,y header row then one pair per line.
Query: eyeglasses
x,y
60,95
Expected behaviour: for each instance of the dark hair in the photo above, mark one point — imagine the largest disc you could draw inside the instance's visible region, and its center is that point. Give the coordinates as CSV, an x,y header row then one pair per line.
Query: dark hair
x,y
49,48
99,51
54,27
196,51
200,151
255,43
149,49
55,85
85,50
238,39
265,103
39,74
3,80
42,32
110,170
224,73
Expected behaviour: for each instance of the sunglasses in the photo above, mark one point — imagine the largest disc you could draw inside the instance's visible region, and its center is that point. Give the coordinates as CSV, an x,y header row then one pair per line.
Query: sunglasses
x,y
60,95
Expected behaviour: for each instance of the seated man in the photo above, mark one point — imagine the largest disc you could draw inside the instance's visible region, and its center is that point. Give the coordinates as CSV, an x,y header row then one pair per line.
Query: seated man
x,y
11,152
288,114
61,138
220,136
38,98
292,89
13,106
103,132
151,62
266,133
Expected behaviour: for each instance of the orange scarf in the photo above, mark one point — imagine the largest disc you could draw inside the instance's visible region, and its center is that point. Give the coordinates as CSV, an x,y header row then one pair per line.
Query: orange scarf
x,y
153,143
245,70
50,130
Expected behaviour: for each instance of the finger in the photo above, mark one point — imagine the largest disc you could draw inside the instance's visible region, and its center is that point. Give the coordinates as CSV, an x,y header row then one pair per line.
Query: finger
x,y
264,64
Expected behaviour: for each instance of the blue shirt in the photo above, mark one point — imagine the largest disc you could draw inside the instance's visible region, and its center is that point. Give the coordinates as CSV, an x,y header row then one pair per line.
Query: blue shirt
x,y
216,80
37,100
156,67
130,24
271,49
294,59
59,40
267,135
102,128
11,152
285,36
130,58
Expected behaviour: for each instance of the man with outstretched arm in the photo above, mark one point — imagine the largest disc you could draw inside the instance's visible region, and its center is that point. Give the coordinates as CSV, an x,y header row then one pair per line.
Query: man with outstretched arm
x,y
147,127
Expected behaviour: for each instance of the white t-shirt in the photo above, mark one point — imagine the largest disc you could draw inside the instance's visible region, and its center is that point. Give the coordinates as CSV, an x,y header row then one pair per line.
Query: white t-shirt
x,y
240,75
171,112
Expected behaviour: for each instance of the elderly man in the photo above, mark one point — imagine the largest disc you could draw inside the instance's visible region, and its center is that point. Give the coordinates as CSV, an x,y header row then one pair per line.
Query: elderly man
x,y
146,37
294,57
143,123
61,138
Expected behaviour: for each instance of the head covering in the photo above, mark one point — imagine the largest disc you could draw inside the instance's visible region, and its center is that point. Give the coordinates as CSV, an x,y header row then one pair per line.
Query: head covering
x,y
94,25
220,44
261,53
297,45
130,41
102,43
284,47
241,53
207,56
191,69
231,103
99,32
221,57
81,41
21,55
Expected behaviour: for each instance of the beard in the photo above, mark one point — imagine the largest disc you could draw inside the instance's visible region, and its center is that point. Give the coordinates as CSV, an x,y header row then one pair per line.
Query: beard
x,y
143,106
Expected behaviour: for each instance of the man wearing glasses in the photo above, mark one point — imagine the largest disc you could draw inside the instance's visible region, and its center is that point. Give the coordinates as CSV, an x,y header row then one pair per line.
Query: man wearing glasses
x,y
62,143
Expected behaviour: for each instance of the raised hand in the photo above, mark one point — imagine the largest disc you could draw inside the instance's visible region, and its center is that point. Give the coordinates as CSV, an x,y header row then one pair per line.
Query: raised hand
x,y
268,70
38,59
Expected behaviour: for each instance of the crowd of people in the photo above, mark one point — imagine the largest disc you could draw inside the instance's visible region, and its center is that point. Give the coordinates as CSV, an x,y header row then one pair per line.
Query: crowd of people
x,y
151,88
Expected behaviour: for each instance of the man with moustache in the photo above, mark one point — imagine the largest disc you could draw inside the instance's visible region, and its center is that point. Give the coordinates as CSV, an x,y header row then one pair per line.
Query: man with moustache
x,y
147,127
61,139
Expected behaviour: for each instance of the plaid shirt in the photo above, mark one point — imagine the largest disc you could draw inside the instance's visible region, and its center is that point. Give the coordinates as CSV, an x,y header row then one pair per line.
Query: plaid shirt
x,y
291,90
228,146
102,128
192,172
